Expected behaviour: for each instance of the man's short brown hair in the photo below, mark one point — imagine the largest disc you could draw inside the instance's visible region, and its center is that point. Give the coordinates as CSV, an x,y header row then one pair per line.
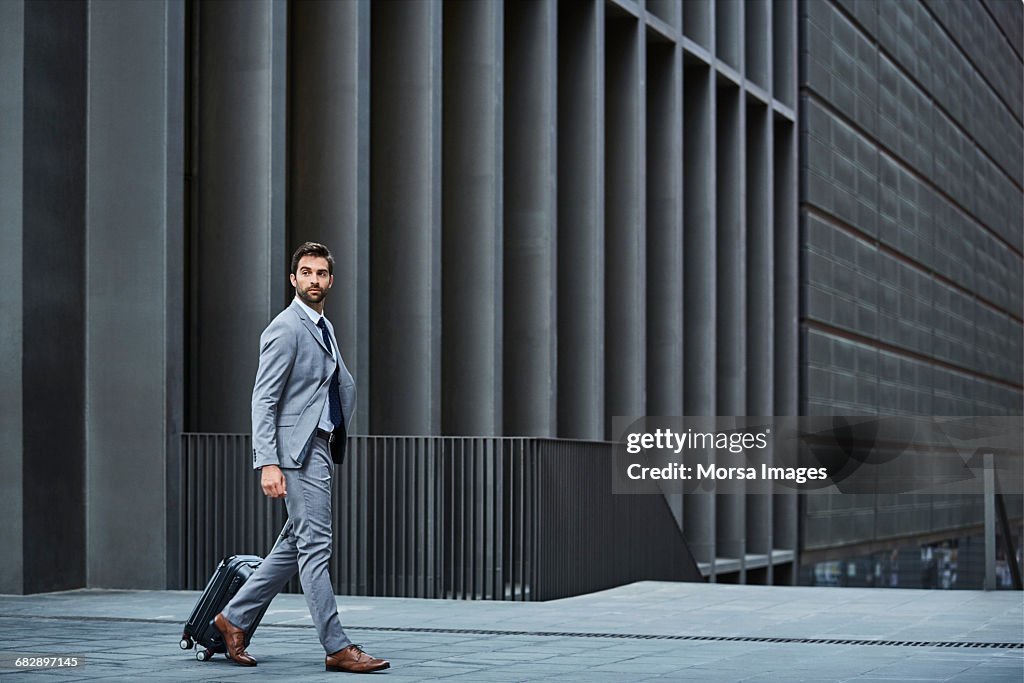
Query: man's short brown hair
x,y
312,249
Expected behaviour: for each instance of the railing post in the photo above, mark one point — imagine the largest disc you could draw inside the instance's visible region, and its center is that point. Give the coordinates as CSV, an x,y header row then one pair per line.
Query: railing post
x,y
990,522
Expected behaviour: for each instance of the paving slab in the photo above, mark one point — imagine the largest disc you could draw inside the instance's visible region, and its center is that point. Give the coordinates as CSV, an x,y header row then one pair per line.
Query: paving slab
x,y
644,631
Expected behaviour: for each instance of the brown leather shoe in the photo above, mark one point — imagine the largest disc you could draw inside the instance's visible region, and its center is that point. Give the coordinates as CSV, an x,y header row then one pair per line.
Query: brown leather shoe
x,y
353,660
234,640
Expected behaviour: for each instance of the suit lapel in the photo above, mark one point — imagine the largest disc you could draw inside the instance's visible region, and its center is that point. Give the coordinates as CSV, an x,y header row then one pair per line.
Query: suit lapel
x,y
310,327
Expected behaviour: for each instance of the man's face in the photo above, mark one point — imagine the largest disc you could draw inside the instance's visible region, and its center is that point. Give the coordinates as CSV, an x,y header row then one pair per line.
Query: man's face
x,y
312,279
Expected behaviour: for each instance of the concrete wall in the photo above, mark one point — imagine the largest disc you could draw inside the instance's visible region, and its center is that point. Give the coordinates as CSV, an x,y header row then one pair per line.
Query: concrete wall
x,y
539,214
911,209
237,246
53,311
12,72
93,291
133,286
911,202
485,174
328,186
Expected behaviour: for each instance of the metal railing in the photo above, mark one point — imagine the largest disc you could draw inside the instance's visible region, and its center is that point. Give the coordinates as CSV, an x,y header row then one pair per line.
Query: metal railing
x,y
443,517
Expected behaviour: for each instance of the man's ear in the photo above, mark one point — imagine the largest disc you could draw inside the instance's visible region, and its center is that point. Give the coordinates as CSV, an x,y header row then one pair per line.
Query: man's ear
x,y
330,282
291,276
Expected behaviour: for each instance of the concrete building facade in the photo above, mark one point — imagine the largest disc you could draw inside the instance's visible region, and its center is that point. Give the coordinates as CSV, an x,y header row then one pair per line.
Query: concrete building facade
x,y
911,212
544,214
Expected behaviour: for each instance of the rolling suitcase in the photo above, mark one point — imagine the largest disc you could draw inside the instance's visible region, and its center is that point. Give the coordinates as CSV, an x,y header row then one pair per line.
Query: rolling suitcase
x,y
229,576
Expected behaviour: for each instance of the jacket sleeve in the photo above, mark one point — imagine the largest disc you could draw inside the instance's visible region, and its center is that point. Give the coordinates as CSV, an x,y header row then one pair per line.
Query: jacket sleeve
x,y
277,356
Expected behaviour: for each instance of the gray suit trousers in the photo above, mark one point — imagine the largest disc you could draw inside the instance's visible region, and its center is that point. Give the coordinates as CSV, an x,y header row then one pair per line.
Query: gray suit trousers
x,y
304,546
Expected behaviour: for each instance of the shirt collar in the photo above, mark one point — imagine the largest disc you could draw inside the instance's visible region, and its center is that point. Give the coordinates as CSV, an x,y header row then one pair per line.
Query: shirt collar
x,y
314,317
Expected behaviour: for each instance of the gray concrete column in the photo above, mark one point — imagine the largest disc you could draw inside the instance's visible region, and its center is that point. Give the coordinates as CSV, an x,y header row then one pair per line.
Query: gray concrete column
x,y
664,230
731,253
699,22
473,55
581,221
760,306
989,516
530,221
625,221
665,236
405,200
134,221
786,261
786,507
728,32
176,294
699,283
783,51
53,303
731,314
786,250
760,298
757,46
786,254
699,241
239,268
786,291
12,103
329,153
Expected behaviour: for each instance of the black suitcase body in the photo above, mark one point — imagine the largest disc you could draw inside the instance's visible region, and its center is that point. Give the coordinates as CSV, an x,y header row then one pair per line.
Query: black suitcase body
x,y
229,576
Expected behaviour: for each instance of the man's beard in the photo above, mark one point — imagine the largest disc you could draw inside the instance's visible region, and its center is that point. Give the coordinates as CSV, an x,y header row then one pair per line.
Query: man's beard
x,y
312,298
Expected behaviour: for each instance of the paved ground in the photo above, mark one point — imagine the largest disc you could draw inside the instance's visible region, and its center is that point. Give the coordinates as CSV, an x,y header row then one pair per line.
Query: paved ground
x,y
640,632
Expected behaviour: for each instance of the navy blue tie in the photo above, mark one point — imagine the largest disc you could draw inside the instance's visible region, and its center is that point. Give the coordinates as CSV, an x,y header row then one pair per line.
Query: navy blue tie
x,y
333,395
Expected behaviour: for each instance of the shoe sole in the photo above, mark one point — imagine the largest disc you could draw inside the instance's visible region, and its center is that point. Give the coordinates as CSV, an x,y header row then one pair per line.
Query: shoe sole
x,y
240,663
339,669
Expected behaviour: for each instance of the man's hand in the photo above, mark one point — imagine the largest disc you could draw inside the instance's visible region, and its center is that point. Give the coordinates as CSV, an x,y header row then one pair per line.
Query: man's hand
x,y
272,481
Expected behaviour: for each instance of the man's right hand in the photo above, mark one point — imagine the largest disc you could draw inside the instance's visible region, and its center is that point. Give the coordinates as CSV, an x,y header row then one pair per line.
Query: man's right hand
x,y
272,481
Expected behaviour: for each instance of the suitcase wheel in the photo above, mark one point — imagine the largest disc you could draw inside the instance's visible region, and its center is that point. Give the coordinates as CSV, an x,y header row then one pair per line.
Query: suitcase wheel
x,y
203,655
186,643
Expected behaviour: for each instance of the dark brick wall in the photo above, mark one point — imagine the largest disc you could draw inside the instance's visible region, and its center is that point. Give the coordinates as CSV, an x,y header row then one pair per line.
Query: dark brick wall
x,y
911,207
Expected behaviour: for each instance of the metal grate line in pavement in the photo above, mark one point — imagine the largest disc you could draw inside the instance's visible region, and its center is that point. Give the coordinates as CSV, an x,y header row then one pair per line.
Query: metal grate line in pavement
x,y
578,634
741,639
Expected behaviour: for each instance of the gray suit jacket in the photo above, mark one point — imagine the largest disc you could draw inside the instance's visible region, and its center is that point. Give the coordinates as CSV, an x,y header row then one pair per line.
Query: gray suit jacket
x,y
291,389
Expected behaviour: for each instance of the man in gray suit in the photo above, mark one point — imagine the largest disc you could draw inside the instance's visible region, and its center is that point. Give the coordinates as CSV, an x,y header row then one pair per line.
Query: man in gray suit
x,y
302,405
